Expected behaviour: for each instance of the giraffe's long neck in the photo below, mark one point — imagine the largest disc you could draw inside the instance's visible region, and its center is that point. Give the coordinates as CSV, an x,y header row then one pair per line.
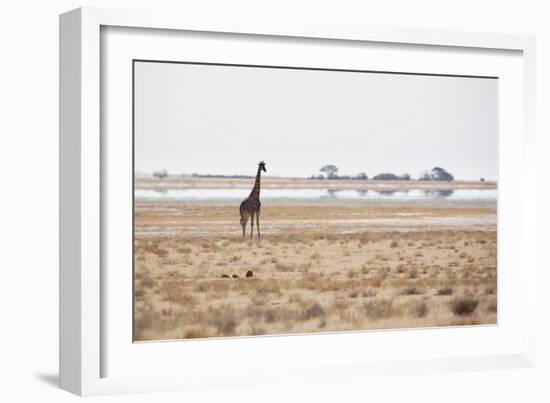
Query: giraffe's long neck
x,y
255,194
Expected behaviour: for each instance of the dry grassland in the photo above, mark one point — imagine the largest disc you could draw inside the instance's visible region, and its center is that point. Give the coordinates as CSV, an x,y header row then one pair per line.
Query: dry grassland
x,y
309,278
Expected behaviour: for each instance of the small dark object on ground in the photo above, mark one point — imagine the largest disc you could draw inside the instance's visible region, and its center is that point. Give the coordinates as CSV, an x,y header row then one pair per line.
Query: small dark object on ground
x,y
225,276
249,273
235,276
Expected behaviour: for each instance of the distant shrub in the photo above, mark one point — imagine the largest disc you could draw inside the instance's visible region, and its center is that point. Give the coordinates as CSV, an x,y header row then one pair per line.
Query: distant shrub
x,y
386,177
381,308
313,311
392,177
436,174
160,174
425,176
354,294
464,306
420,309
195,333
224,321
439,174
412,291
330,170
445,291
368,293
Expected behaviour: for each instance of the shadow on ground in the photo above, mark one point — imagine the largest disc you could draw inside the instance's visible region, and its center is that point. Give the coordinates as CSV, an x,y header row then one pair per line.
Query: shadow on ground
x,y
49,379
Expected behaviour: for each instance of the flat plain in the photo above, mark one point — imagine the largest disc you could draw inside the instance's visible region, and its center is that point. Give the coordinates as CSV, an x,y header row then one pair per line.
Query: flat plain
x,y
321,265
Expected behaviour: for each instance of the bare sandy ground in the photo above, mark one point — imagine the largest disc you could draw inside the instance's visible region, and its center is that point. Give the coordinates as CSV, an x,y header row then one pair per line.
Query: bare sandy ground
x,y
195,219
316,268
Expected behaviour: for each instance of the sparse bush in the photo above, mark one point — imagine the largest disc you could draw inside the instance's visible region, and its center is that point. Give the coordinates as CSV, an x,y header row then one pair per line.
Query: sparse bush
x,y
381,308
316,256
445,291
464,306
420,309
195,333
424,176
376,282
225,321
405,177
283,267
148,282
368,293
160,174
354,294
268,286
202,287
386,177
315,310
162,252
412,290
295,297
183,298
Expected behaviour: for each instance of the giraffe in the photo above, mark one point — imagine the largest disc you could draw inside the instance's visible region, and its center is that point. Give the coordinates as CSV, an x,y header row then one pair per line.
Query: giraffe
x,y
251,205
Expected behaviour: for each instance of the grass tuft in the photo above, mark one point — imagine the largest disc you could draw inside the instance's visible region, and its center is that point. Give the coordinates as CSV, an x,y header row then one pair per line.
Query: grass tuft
x,y
445,291
464,305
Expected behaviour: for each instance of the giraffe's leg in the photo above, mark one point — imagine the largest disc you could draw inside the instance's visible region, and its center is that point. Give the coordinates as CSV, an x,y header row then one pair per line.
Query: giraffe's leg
x,y
244,221
251,224
258,222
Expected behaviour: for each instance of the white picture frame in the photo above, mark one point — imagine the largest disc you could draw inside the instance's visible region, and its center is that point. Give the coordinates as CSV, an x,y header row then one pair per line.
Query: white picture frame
x,y
83,307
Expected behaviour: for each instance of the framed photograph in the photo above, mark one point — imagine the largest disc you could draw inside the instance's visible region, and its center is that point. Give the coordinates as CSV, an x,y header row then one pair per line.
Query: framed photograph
x,y
254,202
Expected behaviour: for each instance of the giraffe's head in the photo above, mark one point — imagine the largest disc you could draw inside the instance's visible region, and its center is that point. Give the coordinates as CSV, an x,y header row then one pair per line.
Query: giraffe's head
x,y
261,164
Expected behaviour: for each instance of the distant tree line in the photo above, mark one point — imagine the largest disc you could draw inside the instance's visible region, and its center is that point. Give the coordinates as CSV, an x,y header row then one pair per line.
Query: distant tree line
x,y
392,177
330,172
195,175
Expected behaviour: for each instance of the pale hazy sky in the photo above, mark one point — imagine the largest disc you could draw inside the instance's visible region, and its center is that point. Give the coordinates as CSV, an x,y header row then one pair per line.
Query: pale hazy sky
x,y
223,120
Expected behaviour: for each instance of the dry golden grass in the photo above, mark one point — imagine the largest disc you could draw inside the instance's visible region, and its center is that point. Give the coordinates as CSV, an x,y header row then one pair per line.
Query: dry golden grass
x,y
315,269
312,281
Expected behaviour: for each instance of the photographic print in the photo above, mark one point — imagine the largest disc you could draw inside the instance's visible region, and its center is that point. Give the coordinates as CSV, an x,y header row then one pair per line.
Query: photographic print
x,y
276,200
